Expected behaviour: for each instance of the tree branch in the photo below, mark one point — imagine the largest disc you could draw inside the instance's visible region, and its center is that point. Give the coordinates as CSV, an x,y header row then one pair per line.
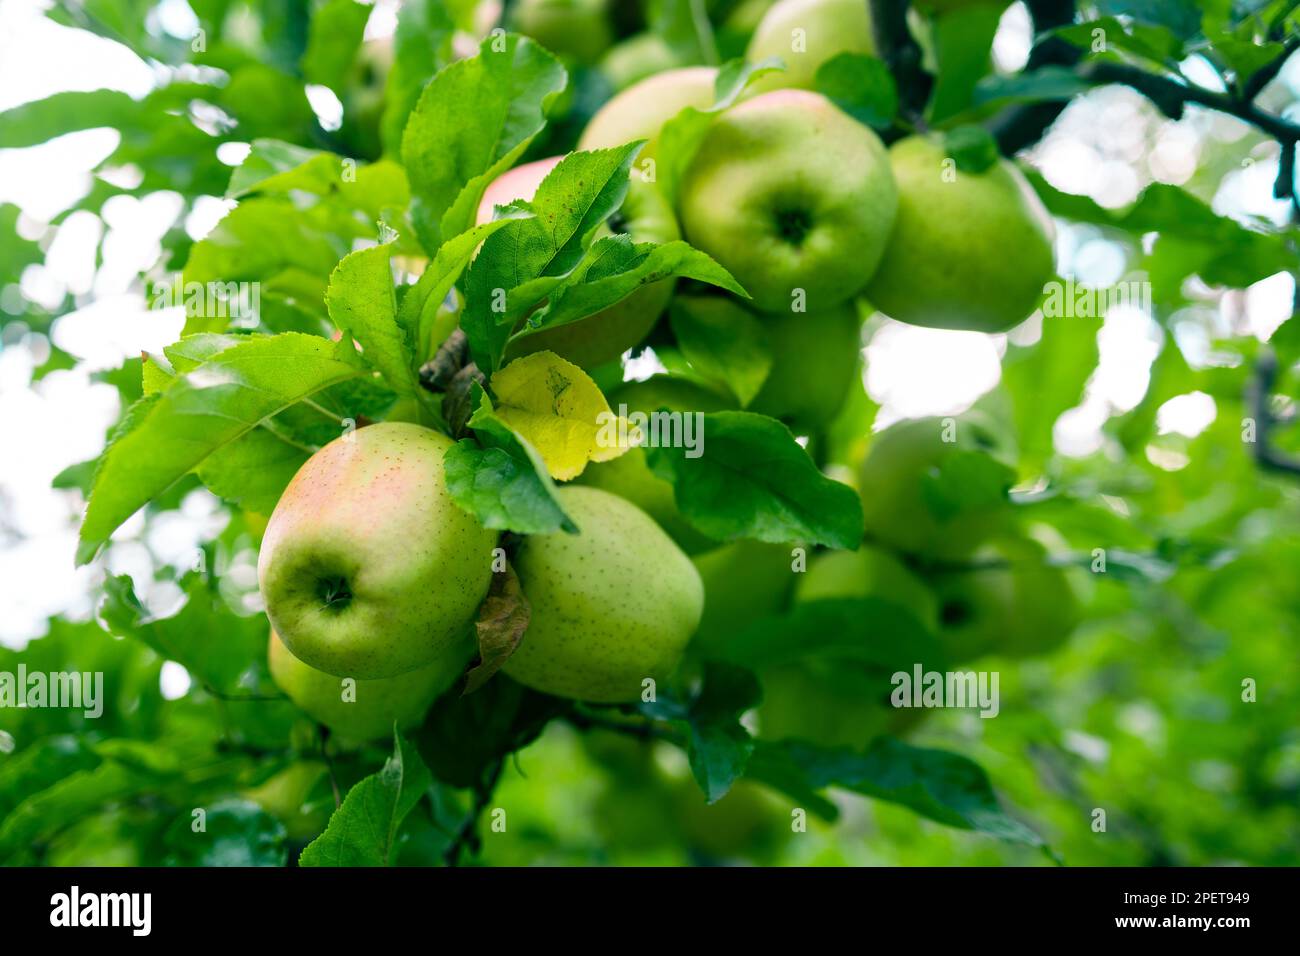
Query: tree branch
x,y
1023,126
1267,457
466,837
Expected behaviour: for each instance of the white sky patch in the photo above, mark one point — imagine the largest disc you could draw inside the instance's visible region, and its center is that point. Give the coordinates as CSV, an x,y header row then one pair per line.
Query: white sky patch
x,y
173,681
1014,37
913,372
641,367
326,105
1186,415
1268,304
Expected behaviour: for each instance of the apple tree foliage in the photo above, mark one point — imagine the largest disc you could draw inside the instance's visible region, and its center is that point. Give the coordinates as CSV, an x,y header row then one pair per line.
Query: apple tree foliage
x,y
358,235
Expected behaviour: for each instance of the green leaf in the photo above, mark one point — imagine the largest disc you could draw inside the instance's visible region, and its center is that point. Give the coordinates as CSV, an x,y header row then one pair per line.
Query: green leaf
x,y
753,480
205,636
718,746
861,86
472,115
333,39
364,830
71,798
614,268
1153,42
1047,379
963,41
941,786
501,479
274,166
1044,84
526,260
172,432
33,123
363,304
421,302
463,735
972,148
724,342
235,833
421,47
252,472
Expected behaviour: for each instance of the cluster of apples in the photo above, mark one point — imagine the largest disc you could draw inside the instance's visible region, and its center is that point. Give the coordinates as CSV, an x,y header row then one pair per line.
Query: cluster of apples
x,y
370,571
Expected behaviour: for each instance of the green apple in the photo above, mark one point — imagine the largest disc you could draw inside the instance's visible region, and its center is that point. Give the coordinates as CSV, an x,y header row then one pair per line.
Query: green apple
x,y
893,480
1012,602
646,217
641,110
368,569
287,796
612,605
826,704
575,29
814,358
629,475
636,58
744,582
793,197
362,710
864,573
969,250
805,34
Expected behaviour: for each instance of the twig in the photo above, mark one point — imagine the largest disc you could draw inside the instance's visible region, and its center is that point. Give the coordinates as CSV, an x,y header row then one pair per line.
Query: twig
x,y
465,835
1268,457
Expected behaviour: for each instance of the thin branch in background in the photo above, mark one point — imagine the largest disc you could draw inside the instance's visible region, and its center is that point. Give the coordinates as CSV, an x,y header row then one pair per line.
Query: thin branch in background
x,y
466,837
1268,457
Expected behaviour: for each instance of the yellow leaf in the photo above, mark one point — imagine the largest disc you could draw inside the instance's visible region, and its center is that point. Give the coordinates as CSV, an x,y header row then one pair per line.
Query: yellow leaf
x,y
560,411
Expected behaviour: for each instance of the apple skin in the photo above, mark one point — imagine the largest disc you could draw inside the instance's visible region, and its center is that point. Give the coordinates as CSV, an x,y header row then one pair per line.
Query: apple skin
x,y
830,27
287,794
369,514
1022,609
814,359
787,192
378,703
641,110
637,58
823,705
646,216
891,485
611,606
867,572
579,30
970,254
629,476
